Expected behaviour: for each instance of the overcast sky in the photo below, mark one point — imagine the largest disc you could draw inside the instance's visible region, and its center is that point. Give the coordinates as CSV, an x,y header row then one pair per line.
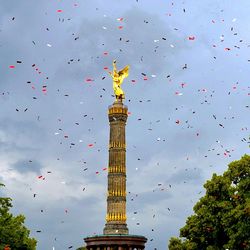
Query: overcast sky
x,y
187,93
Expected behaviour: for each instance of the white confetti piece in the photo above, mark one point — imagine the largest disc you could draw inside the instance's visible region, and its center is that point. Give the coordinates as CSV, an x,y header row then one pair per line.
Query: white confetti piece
x,y
49,45
171,45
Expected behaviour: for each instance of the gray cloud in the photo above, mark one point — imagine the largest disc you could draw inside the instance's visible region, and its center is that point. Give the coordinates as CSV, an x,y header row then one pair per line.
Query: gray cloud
x,y
30,166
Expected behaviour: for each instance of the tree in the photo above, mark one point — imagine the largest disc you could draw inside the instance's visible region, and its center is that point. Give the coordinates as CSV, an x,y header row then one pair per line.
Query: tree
x,y
12,231
221,218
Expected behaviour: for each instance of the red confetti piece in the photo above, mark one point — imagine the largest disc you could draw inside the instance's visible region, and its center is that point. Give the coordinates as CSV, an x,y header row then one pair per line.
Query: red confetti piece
x,y
11,66
120,27
89,80
145,78
104,169
39,177
129,113
227,49
106,68
177,122
105,53
59,11
120,19
97,172
91,145
191,38
133,81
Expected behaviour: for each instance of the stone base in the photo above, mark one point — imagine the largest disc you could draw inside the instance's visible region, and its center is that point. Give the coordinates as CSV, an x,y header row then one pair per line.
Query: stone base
x,y
113,228
115,242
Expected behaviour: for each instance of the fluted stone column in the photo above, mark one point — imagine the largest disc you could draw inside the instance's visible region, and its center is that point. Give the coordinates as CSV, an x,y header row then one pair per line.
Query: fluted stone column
x,y
116,195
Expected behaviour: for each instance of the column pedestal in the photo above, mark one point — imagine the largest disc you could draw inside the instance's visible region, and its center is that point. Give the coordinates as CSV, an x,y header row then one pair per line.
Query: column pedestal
x,y
115,242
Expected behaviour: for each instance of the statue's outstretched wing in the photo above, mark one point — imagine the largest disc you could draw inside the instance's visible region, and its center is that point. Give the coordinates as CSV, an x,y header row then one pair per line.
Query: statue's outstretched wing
x,y
123,73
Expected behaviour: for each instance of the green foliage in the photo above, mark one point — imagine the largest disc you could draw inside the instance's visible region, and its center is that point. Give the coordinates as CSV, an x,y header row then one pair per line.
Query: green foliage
x,y
221,218
12,230
81,248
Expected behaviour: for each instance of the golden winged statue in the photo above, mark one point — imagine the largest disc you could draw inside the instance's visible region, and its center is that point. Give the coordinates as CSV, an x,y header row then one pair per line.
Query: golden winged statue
x,y
118,78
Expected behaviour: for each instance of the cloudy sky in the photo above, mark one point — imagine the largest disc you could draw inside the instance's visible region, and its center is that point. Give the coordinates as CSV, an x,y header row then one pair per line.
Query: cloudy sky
x,y
188,94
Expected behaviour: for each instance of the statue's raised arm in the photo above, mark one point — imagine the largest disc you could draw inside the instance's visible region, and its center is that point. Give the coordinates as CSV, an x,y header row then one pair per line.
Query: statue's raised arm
x,y
118,78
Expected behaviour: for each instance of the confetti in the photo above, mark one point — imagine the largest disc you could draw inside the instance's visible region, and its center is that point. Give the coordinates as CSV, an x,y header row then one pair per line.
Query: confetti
x,y
191,38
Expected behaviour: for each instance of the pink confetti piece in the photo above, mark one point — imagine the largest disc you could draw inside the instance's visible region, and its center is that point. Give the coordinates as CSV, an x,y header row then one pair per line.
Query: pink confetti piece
x,y
90,145
120,19
97,172
133,81
105,68
120,27
145,78
59,11
227,49
105,53
12,66
89,80
104,169
191,38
